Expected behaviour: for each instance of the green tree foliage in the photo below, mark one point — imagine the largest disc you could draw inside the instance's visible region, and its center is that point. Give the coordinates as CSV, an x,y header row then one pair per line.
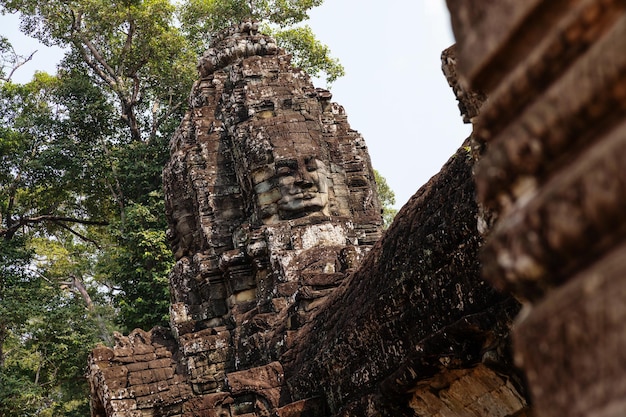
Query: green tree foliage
x,y
46,356
82,229
308,53
128,69
387,198
15,290
45,347
45,184
48,319
280,17
138,262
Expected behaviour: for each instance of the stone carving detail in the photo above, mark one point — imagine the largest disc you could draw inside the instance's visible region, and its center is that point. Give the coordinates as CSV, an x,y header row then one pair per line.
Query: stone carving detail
x,y
140,372
286,301
553,137
270,194
272,202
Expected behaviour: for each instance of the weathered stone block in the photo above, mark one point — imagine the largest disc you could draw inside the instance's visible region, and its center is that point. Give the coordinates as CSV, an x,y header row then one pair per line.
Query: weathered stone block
x,y
122,406
102,354
144,389
143,349
141,377
122,352
463,392
144,358
163,374
138,366
255,379
115,373
578,335
160,363
309,407
205,340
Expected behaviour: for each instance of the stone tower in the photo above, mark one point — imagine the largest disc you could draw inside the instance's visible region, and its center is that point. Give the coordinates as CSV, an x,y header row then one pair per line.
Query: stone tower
x,y
271,202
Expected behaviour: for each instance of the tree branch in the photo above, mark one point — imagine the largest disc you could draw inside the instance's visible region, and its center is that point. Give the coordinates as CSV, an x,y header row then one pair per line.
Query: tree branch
x,y
82,290
83,43
94,59
128,44
50,217
74,232
109,76
9,232
18,64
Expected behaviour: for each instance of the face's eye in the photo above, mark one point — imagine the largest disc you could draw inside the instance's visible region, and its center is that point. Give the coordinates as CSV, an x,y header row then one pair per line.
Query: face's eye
x,y
286,167
284,170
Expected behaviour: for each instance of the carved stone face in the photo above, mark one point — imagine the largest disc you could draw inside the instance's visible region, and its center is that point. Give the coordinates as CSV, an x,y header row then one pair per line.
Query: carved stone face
x,y
292,185
303,186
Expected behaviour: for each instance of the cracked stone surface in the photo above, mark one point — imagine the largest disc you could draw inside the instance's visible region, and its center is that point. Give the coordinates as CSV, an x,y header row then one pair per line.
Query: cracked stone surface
x,y
287,299
552,138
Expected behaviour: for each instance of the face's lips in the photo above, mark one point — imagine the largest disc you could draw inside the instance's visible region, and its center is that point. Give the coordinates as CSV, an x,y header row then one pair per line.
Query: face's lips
x,y
301,201
302,195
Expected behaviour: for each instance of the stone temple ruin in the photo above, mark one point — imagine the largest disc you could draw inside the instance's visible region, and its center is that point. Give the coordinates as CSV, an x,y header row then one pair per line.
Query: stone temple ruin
x,y
289,301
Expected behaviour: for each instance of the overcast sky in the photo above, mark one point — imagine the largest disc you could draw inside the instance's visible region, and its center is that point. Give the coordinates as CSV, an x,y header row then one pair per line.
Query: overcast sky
x,y
394,92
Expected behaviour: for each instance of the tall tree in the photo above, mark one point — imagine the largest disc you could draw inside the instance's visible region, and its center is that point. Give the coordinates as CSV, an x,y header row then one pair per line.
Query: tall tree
x,y
48,319
82,230
132,55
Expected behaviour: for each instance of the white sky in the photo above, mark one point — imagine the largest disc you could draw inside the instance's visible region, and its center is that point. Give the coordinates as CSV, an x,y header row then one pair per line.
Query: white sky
x,y
394,92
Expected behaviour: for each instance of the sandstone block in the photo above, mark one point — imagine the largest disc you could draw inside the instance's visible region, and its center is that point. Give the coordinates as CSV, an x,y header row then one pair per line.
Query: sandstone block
x,y
115,373
255,379
581,323
138,366
122,406
102,354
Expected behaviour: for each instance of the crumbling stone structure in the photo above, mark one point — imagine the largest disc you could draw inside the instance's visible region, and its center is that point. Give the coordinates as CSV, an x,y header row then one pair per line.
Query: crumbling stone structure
x,y
553,171
271,200
286,301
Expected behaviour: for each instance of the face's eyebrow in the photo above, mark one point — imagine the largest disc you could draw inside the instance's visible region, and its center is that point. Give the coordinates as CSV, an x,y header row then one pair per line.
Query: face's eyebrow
x,y
286,163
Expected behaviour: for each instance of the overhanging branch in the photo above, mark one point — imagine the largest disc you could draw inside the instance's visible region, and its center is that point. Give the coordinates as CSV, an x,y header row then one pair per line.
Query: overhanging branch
x,y
9,232
74,232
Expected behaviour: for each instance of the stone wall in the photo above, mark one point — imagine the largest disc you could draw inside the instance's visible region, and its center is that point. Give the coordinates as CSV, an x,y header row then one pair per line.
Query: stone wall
x,y
286,301
424,311
271,201
552,137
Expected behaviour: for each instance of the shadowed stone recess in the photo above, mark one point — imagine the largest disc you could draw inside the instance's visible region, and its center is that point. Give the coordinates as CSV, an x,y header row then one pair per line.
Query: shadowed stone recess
x,y
552,137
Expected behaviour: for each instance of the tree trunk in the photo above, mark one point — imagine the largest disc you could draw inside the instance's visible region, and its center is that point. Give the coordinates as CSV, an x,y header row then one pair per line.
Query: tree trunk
x,y
3,336
78,285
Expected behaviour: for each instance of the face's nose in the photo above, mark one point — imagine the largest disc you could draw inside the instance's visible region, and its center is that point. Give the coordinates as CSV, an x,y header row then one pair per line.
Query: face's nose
x,y
303,177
